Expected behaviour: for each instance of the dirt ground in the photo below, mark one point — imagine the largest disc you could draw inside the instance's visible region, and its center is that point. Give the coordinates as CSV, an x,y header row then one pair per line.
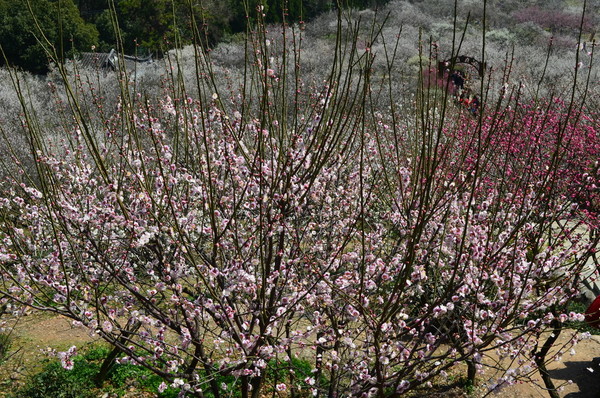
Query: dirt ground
x,y
36,333
578,374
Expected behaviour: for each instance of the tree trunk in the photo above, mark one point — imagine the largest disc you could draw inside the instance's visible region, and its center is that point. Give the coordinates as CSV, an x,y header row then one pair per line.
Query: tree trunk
x,y
110,359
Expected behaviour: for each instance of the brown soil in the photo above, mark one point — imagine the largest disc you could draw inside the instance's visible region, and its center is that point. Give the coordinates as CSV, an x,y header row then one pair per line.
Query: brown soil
x,y
37,334
577,375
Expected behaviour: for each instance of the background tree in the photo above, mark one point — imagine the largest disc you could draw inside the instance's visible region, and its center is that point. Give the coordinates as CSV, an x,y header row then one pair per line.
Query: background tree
x,y
144,26
160,25
27,24
89,8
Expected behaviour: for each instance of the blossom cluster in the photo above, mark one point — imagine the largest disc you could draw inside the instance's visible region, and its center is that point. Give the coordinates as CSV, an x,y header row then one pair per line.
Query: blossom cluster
x,y
236,235
249,245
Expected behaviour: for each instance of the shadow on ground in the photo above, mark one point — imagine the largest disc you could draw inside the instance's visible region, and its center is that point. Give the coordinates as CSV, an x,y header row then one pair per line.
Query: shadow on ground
x,y
582,373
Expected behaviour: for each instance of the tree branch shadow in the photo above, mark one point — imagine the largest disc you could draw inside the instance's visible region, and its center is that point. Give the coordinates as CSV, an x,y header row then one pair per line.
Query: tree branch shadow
x,y
586,374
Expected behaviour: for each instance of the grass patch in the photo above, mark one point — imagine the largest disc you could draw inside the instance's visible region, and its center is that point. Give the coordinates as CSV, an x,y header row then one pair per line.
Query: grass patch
x,y
5,346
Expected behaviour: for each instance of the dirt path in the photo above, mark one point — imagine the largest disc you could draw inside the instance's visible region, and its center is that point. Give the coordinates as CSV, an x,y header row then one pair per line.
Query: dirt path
x,y
576,373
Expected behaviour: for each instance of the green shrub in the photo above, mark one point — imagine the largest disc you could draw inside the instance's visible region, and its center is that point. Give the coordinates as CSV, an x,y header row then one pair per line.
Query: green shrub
x,y
56,382
123,376
502,36
97,352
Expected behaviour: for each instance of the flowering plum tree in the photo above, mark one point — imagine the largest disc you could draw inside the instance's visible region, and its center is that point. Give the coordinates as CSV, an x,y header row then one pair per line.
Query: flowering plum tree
x,y
231,236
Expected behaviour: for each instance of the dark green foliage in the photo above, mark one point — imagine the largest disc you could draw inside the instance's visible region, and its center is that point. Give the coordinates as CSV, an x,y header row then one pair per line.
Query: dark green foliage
x,y
90,8
159,25
97,353
30,28
124,375
56,382
145,26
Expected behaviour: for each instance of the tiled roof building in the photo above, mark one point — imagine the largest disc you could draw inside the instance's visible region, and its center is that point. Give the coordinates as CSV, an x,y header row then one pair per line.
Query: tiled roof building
x,y
110,61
